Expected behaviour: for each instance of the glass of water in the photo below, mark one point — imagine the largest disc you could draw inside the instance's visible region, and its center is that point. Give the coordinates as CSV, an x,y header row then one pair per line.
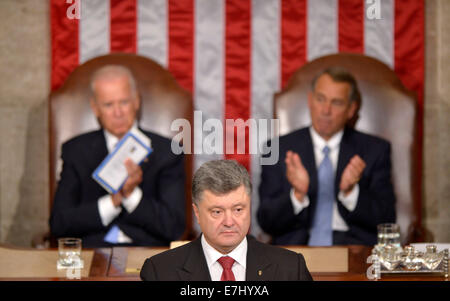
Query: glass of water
x,y
69,252
388,234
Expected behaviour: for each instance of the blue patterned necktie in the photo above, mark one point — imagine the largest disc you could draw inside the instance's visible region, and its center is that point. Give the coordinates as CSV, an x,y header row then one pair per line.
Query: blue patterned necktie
x,y
113,235
321,233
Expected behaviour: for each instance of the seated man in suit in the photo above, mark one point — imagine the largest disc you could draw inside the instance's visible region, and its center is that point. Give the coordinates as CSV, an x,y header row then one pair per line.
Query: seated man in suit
x,y
221,193
149,209
332,184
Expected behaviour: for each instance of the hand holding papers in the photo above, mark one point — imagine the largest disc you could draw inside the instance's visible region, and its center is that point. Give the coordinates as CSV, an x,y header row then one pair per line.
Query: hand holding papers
x,y
134,178
112,172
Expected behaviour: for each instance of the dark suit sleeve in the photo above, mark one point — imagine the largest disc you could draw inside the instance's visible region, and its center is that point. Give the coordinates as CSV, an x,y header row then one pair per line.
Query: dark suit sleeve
x,y
148,272
275,212
303,272
376,200
161,213
70,215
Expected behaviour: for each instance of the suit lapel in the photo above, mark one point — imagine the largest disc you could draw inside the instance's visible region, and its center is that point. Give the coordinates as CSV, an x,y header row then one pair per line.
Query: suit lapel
x,y
94,153
259,268
309,161
195,267
306,152
346,152
98,150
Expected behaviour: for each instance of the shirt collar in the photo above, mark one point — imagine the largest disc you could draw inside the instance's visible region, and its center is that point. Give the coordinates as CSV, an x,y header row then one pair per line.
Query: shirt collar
x,y
239,254
320,143
111,140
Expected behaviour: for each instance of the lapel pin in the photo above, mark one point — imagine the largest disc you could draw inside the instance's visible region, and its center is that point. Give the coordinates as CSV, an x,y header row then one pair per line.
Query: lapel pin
x,y
259,273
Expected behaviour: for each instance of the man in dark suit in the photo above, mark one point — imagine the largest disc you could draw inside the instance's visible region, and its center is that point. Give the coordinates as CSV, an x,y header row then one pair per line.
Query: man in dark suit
x,y
149,208
332,184
221,193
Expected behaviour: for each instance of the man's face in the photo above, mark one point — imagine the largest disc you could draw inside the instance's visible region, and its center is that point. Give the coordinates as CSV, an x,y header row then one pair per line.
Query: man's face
x,y
115,105
330,106
224,220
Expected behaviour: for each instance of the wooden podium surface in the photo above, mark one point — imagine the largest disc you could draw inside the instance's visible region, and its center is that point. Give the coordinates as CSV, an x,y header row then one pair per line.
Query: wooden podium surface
x,y
343,263
40,264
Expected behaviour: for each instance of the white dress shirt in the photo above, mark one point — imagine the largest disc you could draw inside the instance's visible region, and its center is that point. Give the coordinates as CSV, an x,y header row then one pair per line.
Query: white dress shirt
x,y
349,201
108,212
239,254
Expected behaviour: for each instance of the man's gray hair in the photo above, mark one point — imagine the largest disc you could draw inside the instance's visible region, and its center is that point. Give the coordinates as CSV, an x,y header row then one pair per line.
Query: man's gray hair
x,y
113,72
220,177
341,75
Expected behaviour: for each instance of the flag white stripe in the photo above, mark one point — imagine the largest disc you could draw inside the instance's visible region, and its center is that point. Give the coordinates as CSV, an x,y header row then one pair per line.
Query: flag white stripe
x,y
152,37
322,28
379,33
94,29
265,80
209,67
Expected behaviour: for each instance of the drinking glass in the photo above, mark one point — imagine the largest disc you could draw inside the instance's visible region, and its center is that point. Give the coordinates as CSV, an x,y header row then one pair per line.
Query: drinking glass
x,y
69,251
388,234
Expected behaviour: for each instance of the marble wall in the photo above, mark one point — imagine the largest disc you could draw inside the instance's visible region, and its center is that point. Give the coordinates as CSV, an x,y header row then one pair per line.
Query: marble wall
x,y
436,169
24,87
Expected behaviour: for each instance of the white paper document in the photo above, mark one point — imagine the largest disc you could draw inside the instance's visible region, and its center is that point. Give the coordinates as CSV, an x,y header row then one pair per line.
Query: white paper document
x,y
111,174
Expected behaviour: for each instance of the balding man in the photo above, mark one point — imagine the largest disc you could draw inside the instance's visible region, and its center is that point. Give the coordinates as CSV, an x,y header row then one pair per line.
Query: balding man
x,y
149,208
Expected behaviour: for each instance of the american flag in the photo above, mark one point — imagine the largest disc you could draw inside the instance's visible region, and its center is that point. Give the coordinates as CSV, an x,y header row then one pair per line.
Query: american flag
x,y
233,55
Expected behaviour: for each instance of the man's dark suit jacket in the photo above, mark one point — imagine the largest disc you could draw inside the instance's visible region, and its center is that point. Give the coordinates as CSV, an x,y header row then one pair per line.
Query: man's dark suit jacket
x,y
158,219
376,200
188,263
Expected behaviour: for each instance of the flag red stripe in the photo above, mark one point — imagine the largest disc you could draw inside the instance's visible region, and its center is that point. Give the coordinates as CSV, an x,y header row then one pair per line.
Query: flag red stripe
x,y
409,54
409,45
123,26
64,37
293,37
238,70
351,26
181,42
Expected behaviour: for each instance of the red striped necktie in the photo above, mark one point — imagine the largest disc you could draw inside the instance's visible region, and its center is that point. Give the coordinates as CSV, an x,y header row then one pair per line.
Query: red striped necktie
x,y
226,262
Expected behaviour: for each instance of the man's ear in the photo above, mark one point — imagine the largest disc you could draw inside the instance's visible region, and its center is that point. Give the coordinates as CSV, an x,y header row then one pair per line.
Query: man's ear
x,y
352,111
195,208
94,106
